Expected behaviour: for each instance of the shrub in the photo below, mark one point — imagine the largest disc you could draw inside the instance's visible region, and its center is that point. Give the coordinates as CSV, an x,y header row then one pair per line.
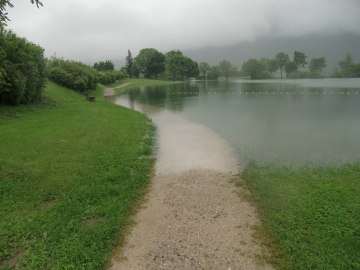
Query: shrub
x,y
22,69
72,74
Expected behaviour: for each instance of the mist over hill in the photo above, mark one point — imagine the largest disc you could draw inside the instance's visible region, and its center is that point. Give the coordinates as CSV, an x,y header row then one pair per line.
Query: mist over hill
x,y
332,47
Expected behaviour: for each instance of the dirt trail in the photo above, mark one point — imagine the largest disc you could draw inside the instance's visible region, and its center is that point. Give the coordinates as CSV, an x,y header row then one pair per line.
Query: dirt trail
x,y
193,217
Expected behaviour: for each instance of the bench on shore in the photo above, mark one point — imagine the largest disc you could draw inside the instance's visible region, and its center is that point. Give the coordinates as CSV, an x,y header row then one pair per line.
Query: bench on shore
x,y
90,98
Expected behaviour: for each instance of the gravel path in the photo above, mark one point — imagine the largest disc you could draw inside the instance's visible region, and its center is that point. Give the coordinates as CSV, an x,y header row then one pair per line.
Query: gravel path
x,y
193,217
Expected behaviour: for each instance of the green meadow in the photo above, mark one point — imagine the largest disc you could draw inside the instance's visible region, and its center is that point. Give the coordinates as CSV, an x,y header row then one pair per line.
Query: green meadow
x,y
71,174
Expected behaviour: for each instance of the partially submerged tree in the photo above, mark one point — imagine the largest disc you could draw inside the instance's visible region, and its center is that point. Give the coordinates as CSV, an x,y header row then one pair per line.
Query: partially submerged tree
x,y
226,68
299,59
256,69
282,59
317,65
204,68
180,67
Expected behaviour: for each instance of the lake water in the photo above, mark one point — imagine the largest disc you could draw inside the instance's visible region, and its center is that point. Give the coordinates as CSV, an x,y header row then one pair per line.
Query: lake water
x,y
287,122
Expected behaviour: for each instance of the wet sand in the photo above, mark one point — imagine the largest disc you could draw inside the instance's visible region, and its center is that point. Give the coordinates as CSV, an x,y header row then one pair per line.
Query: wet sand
x,y
193,217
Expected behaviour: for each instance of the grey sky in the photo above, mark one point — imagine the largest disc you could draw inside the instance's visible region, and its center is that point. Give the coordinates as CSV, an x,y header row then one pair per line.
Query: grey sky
x,y
104,29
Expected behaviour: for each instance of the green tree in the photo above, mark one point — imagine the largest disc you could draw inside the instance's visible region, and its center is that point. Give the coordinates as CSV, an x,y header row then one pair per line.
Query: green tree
x,y
135,72
22,69
282,59
299,59
129,61
150,62
290,67
204,68
226,68
271,66
180,67
104,66
213,73
347,66
8,3
256,69
317,65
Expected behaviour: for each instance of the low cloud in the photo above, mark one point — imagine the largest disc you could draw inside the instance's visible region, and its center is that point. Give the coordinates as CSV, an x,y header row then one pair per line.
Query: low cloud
x,y
95,30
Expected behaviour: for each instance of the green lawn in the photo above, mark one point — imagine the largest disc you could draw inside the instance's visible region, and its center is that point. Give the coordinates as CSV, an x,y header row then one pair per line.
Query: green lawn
x,y
312,215
139,82
71,172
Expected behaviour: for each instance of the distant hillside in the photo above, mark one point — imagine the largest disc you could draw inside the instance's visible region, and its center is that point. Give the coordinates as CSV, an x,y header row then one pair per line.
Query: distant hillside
x,y
333,48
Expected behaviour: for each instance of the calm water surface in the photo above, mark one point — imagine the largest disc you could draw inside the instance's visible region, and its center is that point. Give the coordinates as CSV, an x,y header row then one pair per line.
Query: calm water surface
x,y
276,121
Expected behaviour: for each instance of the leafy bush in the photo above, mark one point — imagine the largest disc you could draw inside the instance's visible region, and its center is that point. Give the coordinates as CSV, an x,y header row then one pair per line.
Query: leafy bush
x,y
107,77
22,69
72,74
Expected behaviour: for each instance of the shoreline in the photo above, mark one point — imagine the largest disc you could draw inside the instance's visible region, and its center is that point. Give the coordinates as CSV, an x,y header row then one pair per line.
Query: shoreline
x,y
193,216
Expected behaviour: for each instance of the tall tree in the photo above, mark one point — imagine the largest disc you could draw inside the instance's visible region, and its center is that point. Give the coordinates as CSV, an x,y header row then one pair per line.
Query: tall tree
x,y
299,59
282,59
129,61
213,73
317,64
150,62
8,3
347,66
226,68
179,66
204,68
256,69
290,67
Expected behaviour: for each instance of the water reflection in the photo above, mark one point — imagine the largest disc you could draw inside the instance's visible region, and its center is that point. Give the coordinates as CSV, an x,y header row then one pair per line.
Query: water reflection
x,y
291,122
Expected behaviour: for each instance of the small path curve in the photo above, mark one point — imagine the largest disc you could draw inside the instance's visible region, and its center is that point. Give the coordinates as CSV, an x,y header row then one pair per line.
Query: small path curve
x,y
111,91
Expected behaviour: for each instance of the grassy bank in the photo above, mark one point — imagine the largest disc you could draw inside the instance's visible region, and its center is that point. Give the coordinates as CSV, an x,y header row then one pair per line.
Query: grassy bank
x,y
139,83
312,215
70,174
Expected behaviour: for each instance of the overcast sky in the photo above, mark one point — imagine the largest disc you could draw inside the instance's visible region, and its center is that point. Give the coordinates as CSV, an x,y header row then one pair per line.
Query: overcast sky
x,y
90,30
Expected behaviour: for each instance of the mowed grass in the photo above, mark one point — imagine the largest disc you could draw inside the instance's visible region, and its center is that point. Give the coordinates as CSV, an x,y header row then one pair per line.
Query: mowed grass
x,y
71,172
312,215
139,82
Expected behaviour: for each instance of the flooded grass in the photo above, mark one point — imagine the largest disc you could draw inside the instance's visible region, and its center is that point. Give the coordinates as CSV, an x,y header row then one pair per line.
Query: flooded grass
x,y
312,214
70,174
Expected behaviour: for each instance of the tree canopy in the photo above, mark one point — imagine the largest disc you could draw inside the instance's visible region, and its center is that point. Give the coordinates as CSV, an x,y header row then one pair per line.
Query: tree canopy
x,y
226,68
104,66
150,62
317,64
282,59
22,69
179,66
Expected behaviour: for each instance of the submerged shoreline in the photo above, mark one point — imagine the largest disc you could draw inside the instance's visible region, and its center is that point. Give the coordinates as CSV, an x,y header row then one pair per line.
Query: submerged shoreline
x,y
193,216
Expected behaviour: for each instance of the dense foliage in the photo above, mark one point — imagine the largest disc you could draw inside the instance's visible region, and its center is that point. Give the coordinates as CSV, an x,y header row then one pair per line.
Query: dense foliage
x,y
150,62
265,68
22,69
71,74
180,67
104,66
347,68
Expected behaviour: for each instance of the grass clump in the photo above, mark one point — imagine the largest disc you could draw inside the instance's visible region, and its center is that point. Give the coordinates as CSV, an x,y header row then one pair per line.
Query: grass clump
x,y
71,172
312,214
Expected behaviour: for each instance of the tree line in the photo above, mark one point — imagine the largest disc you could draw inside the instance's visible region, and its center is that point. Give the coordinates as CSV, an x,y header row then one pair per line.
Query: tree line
x,y
153,64
297,67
